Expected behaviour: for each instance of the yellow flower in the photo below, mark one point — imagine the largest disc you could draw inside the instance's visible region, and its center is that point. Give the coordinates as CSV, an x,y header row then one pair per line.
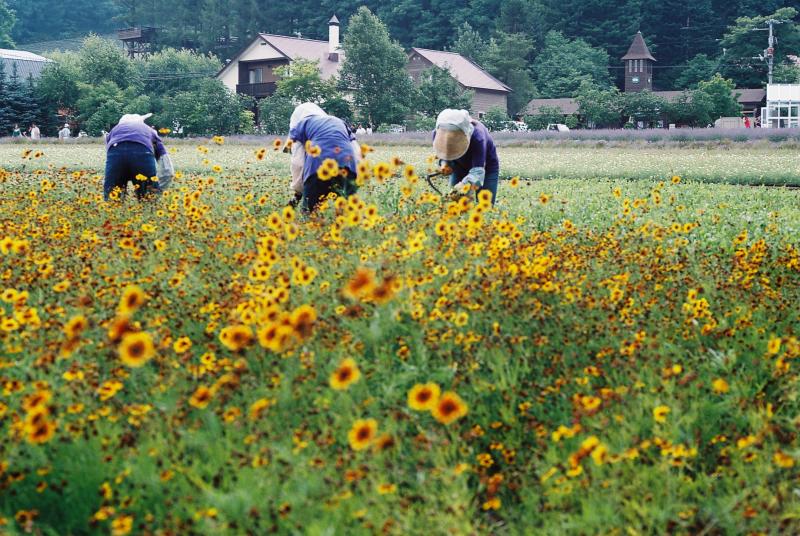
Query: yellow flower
x,y
236,337
423,397
75,326
449,408
676,179
492,504
136,349
121,525
132,299
362,433
201,397
774,345
782,460
345,375
182,345
660,413
385,489
720,386
362,283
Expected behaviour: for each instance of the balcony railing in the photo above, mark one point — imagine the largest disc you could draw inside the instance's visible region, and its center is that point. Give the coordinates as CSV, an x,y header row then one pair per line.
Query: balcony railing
x,y
264,89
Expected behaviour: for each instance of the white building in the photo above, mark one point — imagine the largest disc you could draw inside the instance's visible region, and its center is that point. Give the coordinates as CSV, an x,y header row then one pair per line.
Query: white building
x,y
783,106
26,63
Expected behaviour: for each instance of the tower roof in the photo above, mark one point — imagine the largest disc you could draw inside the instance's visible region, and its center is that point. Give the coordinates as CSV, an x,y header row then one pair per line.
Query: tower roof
x,y
638,50
334,20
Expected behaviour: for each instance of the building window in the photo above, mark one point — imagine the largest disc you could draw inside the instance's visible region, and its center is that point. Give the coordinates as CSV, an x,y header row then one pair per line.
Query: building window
x,y
256,76
635,79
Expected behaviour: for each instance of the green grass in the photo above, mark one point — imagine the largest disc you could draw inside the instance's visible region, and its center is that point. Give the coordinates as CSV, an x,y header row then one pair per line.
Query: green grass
x,y
734,164
569,304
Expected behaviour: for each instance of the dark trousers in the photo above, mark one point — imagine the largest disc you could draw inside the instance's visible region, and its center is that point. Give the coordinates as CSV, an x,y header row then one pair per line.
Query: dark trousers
x,y
126,160
315,190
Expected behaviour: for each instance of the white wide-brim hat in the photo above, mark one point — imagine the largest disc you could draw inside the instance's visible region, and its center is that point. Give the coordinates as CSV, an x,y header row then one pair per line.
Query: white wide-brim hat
x,y
453,132
134,118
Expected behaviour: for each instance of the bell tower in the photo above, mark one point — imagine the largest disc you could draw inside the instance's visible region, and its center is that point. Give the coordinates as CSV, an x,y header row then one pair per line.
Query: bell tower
x,y
638,66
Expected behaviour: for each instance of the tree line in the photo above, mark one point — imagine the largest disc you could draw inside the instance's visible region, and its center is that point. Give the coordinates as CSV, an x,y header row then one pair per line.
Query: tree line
x,y
98,83
699,36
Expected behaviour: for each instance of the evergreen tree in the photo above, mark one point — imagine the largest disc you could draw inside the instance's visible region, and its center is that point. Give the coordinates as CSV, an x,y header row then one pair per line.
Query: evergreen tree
x,y
6,119
44,20
563,65
21,103
374,70
7,21
470,44
438,90
699,68
743,44
508,58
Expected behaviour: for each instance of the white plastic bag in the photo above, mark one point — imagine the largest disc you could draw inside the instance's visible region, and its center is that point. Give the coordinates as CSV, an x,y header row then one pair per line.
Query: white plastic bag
x,y
165,171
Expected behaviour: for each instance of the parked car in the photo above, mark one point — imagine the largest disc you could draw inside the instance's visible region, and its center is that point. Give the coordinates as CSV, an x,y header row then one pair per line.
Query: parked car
x,y
557,127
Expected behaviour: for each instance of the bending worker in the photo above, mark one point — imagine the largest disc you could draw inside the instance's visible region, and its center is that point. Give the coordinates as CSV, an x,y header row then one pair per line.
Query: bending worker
x,y
466,146
131,151
318,139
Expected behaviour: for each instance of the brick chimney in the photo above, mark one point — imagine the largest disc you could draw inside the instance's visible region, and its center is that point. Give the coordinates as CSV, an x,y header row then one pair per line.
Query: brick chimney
x,y
333,39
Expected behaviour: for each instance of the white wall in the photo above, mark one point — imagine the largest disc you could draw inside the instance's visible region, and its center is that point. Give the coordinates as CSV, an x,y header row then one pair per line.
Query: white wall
x,y
783,92
258,50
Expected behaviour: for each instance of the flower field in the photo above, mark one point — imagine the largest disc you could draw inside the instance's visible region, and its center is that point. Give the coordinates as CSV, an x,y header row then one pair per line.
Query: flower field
x,y
598,356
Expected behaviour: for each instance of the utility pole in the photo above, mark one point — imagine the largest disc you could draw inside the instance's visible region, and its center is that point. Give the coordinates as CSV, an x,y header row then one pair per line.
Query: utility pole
x,y
769,53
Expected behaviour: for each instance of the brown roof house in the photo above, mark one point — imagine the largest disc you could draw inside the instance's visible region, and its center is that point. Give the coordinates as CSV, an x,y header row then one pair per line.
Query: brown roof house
x,y
488,91
252,71
639,64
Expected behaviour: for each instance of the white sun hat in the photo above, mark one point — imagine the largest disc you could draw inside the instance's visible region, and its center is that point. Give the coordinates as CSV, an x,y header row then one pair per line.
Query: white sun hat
x,y
302,111
128,119
454,130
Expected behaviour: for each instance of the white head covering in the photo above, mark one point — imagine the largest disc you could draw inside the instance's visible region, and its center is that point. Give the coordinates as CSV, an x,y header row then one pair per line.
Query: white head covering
x,y
128,119
455,120
307,109
454,130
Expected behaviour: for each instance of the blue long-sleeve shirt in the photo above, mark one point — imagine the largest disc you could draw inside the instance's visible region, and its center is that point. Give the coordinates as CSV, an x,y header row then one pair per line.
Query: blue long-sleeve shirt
x,y
333,138
482,153
137,133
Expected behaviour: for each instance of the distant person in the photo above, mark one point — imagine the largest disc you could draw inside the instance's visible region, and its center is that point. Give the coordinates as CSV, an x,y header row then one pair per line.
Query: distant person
x,y
360,131
746,122
467,147
318,137
369,130
35,133
132,148
16,133
64,133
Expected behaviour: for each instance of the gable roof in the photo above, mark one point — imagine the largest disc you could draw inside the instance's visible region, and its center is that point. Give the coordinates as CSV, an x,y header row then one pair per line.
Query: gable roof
x,y
297,48
567,106
468,74
638,50
293,48
28,63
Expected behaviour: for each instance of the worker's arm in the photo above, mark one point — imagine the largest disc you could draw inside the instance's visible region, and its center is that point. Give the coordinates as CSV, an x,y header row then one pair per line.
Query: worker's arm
x,y
298,163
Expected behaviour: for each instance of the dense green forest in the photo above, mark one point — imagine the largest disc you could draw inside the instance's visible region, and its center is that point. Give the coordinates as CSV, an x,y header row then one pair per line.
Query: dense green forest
x,y
514,39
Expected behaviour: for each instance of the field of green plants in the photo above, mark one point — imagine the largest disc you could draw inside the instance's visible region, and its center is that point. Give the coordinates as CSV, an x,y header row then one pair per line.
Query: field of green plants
x,y
734,163
593,355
